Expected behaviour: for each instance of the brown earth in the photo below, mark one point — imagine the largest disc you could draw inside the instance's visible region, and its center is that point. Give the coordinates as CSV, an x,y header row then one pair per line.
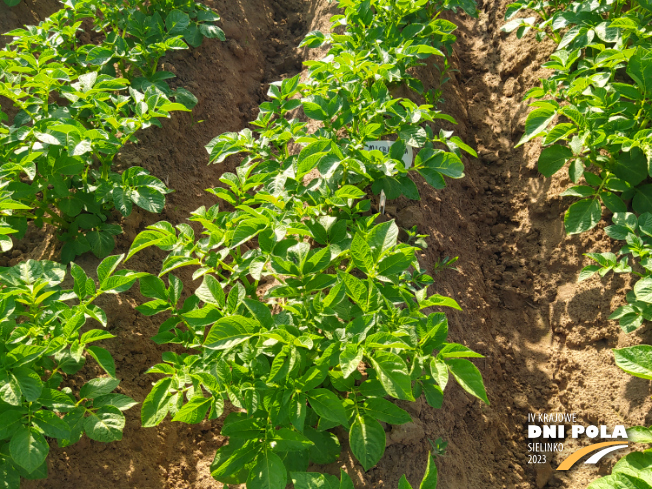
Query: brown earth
x,y
546,338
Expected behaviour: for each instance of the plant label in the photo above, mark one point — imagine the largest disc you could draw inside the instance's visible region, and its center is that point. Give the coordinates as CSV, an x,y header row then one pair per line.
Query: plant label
x,y
384,146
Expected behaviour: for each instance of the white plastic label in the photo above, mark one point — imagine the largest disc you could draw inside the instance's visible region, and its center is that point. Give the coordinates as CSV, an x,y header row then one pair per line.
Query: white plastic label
x,y
384,146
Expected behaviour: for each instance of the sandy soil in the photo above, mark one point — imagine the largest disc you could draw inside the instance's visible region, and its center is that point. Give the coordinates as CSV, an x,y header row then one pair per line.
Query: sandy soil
x,y
546,338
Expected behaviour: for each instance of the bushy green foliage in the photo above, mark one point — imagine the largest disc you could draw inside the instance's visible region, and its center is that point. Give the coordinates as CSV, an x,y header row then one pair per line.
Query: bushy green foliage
x,y
79,104
41,342
594,111
311,312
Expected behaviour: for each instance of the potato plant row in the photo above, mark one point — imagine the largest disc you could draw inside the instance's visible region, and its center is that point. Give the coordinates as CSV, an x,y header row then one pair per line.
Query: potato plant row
x,y
593,115
77,104
312,311
40,345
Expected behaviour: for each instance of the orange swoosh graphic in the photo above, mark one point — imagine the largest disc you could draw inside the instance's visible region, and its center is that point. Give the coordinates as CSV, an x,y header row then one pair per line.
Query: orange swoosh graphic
x,y
575,456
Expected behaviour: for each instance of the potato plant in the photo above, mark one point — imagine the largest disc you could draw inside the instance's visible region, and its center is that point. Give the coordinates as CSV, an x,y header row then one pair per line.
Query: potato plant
x,y
79,104
593,113
311,311
43,344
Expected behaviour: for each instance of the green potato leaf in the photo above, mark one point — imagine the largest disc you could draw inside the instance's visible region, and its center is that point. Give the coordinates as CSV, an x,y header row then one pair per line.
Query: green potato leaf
x,y
582,216
393,374
553,159
28,448
635,360
105,424
268,473
468,376
367,441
